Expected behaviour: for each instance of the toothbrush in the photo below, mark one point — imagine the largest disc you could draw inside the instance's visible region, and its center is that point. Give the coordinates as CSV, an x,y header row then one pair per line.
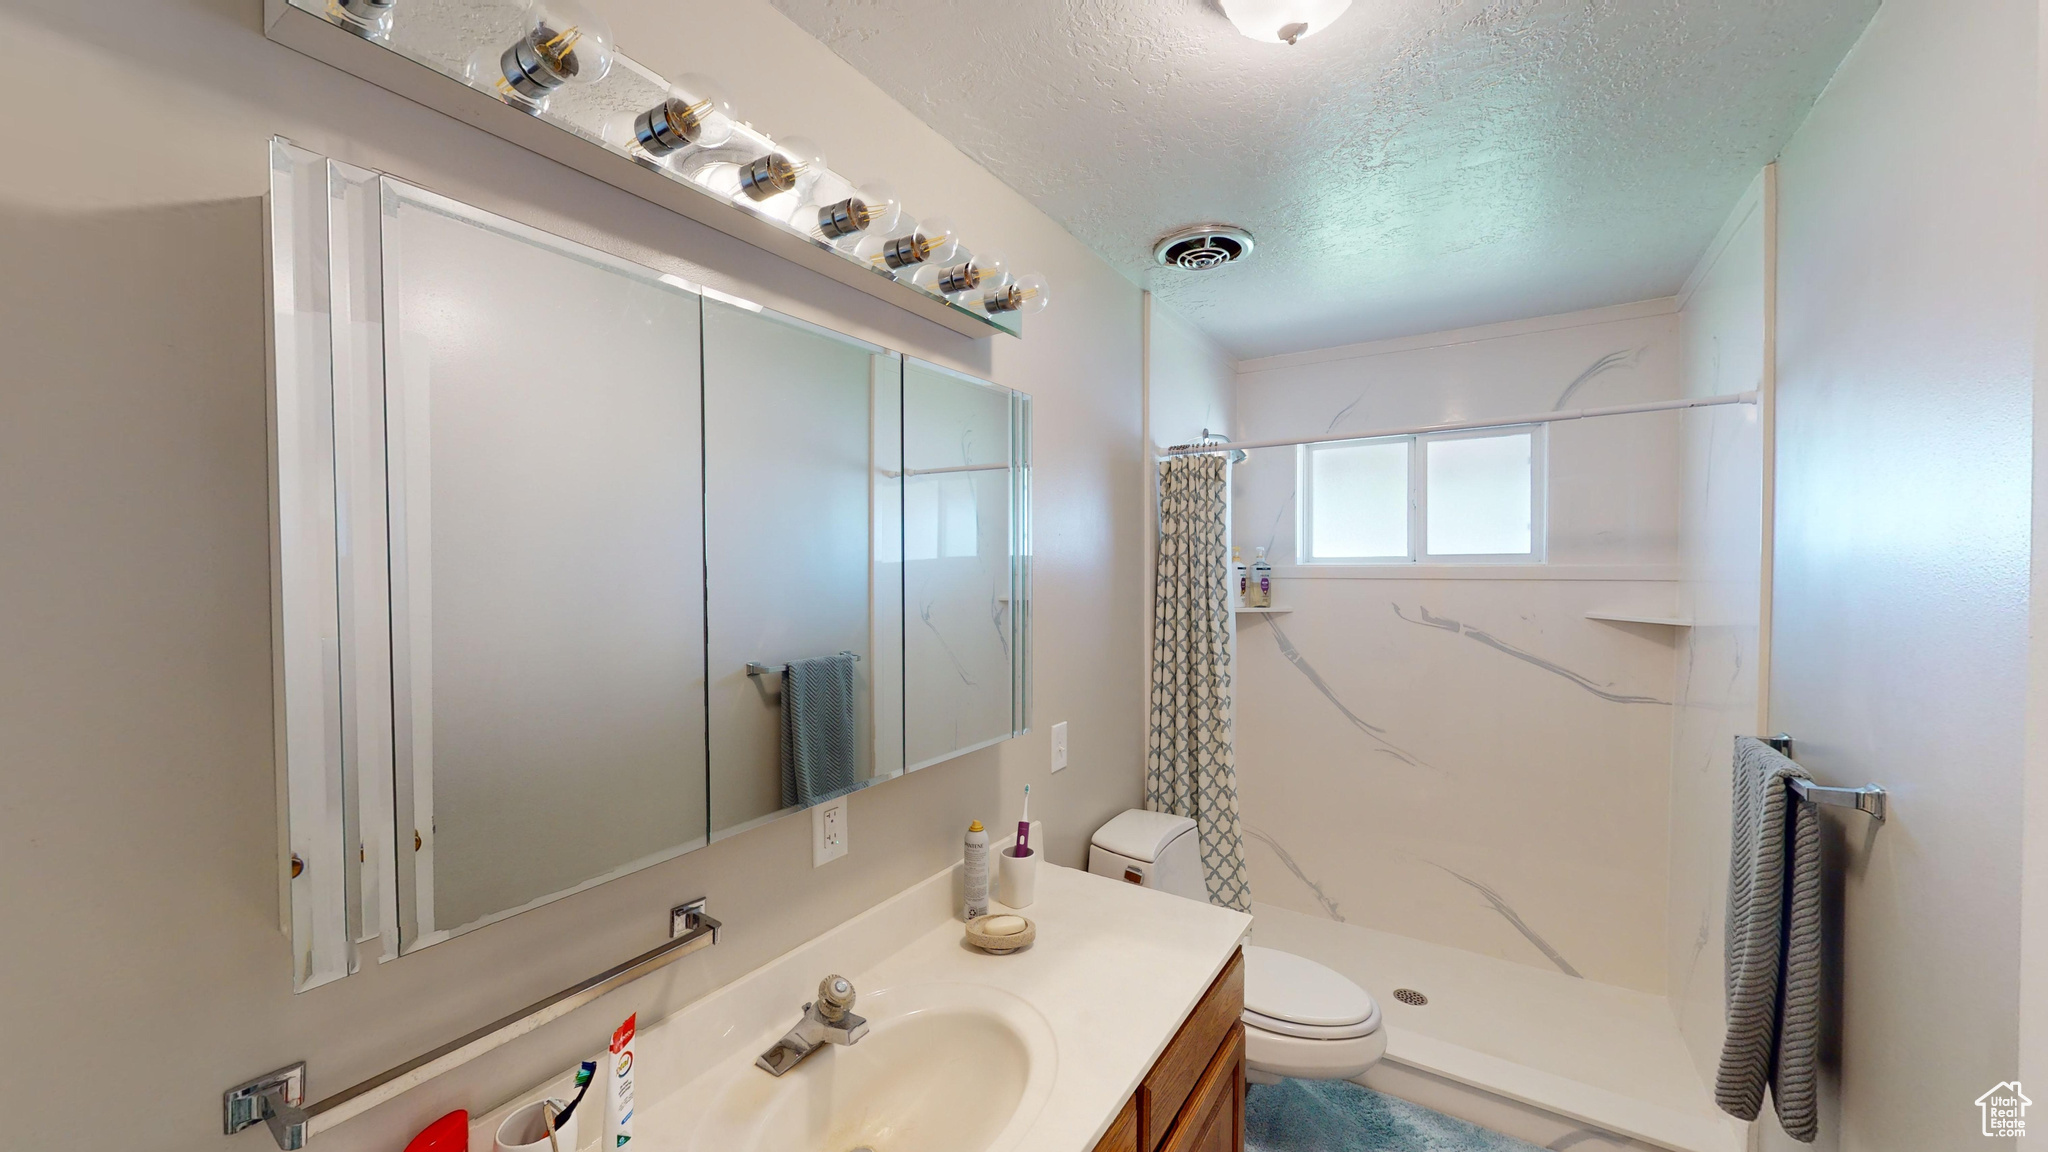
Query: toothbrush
x,y
547,1119
585,1072
1024,826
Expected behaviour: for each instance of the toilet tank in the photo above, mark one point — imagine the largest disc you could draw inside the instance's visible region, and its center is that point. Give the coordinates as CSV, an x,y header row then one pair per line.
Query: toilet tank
x,y
1150,849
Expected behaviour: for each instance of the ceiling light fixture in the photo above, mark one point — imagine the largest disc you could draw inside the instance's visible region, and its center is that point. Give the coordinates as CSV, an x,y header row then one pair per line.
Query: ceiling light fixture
x,y
1283,21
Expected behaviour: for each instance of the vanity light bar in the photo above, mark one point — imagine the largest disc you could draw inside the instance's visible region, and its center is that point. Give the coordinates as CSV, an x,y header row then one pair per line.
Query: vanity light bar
x,y
777,201
278,1098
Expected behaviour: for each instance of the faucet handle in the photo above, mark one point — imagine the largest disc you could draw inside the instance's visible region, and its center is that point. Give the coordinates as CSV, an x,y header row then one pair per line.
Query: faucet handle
x,y
835,996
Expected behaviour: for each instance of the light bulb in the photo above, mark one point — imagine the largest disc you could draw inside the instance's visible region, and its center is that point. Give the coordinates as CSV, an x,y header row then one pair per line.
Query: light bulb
x,y
370,19
875,241
696,113
795,161
933,242
1283,21
871,209
565,43
977,275
1028,296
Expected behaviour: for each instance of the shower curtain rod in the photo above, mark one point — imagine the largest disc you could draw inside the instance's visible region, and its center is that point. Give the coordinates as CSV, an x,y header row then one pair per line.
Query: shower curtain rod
x,y
1470,425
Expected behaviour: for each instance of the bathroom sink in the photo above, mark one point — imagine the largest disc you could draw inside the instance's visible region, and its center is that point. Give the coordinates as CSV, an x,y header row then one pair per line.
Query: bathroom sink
x,y
943,1068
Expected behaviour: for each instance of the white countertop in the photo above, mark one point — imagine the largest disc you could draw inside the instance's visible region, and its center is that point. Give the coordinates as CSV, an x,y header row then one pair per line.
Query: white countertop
x,y
1114,971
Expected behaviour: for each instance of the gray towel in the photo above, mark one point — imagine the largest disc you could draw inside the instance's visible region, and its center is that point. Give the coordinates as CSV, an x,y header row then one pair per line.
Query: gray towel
x,y
820,751
1774,945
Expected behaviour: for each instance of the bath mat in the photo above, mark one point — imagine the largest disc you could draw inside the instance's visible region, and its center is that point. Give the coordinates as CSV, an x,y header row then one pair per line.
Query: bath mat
x,y
1339,1116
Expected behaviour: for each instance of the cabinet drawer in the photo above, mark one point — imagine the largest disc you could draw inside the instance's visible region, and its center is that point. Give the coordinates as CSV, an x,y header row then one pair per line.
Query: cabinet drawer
x,y
1172,1080
1213,1120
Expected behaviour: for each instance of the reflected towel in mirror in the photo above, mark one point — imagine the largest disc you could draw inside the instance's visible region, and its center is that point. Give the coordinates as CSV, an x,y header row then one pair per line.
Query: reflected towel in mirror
x,y
820,753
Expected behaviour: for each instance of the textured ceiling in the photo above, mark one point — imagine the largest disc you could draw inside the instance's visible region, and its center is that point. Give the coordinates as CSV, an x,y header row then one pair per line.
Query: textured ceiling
x,y
1421,165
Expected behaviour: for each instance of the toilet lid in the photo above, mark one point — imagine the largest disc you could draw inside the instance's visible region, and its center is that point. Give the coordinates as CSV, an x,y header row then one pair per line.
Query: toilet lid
x,y
1297,996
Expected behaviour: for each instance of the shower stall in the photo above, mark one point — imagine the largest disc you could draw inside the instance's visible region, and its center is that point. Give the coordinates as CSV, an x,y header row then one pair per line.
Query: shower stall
x,y
1483,731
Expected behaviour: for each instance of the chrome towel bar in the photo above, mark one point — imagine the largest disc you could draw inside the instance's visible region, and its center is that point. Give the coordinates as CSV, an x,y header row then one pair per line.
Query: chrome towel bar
x,y
756,668
1870,798
278,1098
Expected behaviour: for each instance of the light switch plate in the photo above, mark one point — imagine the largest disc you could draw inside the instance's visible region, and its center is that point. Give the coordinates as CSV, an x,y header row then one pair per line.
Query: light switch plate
x,y
1059,745
828,832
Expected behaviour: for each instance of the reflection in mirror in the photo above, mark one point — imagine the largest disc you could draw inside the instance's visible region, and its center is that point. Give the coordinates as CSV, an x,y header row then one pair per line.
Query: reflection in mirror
x,y
962,552
804,644
547,625
578,569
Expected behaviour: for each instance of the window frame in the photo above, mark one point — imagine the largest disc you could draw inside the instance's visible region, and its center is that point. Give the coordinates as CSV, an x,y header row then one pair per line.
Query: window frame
x,y
1418,500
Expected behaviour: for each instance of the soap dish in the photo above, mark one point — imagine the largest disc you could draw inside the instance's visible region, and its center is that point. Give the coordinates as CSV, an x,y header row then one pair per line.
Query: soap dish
x,y
1002,933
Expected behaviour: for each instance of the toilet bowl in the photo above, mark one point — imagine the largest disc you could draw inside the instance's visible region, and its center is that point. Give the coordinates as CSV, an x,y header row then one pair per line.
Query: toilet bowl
x,y
1306,1021
1301,1019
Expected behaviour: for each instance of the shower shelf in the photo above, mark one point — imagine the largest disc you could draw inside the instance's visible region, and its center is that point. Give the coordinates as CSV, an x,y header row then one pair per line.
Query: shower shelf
x,y
1262,611
1634,618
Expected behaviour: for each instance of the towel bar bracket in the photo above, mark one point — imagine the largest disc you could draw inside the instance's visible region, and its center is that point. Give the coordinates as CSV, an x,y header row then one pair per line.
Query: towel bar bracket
x,y
1870,798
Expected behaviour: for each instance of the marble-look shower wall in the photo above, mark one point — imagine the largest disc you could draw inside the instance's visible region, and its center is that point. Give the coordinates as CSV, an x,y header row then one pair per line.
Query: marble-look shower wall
x,y
1723,324
1458,754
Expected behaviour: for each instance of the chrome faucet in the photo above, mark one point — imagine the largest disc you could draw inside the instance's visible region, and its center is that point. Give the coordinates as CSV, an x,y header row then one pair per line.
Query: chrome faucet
x,y
827,1020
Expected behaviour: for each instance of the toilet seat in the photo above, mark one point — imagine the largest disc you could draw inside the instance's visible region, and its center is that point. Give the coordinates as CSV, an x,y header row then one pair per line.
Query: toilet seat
x,y
1295,996
1301,1019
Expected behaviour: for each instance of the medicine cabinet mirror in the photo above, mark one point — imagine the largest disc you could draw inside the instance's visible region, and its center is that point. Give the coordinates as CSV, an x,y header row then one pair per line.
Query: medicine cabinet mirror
x,y
580,567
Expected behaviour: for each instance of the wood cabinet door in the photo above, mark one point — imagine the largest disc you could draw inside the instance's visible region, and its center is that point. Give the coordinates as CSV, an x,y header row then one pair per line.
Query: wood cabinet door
x,y
1167,1088
1213,1120
1123,1131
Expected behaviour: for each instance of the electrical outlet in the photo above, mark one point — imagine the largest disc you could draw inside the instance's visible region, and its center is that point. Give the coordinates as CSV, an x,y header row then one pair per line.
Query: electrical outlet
x,y
828,832
1059,745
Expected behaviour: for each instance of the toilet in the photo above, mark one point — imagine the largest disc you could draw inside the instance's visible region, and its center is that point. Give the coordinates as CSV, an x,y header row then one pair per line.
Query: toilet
x,y
1301,1019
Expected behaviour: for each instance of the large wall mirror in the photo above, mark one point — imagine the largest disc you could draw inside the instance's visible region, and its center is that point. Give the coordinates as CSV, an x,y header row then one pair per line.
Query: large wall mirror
x,y
581,567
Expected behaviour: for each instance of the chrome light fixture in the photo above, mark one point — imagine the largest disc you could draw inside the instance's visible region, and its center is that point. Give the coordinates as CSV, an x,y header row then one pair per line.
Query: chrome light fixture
x,y
1283,21
564,43
1027,296
691,133
370,19
695,114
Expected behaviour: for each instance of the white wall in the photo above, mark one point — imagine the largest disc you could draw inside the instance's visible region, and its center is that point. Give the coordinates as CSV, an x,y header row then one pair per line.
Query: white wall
x,y
1415,745
137,815
1908,266
1723,326
1193,382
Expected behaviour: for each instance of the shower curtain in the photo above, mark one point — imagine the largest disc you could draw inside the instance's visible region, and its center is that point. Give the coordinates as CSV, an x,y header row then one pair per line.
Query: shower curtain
x,y
1190,768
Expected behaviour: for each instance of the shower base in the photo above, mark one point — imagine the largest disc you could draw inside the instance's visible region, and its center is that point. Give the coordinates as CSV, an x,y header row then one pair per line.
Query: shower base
x,y
1563,1063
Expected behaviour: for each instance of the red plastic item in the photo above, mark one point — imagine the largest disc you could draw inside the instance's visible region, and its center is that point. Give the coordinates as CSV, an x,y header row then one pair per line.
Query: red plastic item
x,y
448,1134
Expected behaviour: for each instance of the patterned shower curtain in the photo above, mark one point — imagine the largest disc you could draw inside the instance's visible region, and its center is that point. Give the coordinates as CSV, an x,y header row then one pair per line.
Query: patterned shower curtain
x,y
1191,769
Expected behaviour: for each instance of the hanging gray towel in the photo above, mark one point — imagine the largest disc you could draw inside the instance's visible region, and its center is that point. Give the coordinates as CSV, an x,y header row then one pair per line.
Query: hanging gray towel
x,y
1774,945
820,751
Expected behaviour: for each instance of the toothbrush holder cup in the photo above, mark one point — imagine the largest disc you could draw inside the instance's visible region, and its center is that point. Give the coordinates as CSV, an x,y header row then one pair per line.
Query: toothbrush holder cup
x,y
1019,878
523,1130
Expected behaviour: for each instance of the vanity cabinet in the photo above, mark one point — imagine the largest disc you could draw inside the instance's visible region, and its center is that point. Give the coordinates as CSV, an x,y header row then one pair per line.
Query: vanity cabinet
x,y
1193,1098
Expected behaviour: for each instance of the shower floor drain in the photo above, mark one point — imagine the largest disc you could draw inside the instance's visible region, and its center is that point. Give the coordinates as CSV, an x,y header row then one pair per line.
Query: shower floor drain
x,y
1410,997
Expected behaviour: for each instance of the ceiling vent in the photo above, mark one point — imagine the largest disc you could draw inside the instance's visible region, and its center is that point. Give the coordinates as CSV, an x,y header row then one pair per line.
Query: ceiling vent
x,y
1203,246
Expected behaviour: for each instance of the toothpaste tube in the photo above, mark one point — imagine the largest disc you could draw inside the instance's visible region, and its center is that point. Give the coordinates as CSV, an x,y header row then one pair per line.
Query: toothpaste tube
x,y
618,1096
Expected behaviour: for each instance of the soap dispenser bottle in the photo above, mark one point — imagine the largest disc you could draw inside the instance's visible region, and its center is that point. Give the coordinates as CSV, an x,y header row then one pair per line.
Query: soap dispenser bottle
x,y
1259,594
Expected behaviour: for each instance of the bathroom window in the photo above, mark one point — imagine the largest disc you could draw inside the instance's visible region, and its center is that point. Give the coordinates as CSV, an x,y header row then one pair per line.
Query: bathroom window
x,y
1449,498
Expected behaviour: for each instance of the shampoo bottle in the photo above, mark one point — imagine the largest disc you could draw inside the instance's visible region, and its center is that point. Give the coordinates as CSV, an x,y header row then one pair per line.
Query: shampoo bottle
x,y
1239,576
977,871
1261,590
